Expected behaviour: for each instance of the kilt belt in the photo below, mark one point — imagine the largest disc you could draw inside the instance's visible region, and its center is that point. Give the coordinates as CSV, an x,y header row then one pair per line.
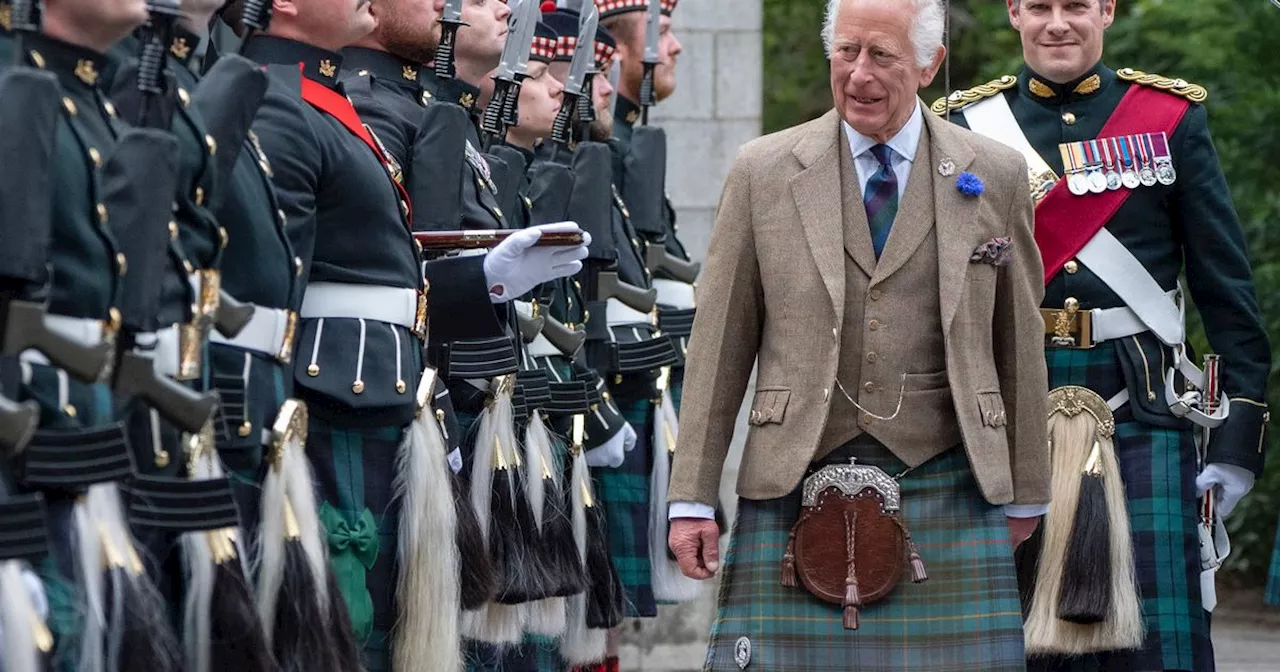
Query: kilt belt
x,y
269,332
1074,328
392,305
83,330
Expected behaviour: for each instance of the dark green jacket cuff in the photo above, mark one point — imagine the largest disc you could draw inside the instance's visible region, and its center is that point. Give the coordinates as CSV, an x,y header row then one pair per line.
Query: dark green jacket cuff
x,y
1241,439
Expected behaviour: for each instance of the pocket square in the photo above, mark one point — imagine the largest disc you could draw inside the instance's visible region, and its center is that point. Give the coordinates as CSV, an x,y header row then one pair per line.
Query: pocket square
x,y
997,252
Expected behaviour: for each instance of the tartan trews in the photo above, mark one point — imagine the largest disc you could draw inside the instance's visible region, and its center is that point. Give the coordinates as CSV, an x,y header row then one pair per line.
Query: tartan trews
x,y
965,617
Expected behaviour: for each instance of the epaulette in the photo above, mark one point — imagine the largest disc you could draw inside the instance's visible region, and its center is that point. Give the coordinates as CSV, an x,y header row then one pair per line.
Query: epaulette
x,y
965,97
1180,87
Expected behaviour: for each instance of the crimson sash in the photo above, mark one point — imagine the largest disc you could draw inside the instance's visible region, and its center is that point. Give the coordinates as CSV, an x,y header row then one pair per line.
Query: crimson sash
x,y
339,107
1065,223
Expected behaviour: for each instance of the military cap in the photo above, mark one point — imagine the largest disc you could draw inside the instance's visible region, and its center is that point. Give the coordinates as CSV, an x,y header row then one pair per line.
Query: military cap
x,y
565,22
545,43
610,8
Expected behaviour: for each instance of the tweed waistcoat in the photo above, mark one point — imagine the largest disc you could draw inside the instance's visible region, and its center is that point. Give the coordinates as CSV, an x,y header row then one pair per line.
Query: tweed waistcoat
x,y
892,326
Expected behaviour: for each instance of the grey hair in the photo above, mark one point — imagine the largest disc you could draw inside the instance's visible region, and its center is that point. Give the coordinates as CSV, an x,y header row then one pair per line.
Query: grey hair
x,y
926,28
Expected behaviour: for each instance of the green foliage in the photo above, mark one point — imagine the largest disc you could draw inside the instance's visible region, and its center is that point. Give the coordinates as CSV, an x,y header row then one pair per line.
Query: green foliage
x,y
1225,45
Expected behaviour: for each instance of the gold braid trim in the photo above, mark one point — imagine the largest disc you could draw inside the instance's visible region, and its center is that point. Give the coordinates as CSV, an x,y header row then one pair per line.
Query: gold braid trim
x,y
1181,87
961,98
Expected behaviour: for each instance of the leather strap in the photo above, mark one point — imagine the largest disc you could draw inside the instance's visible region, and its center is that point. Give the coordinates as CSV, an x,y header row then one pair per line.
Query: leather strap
x,y
1064,222
993,118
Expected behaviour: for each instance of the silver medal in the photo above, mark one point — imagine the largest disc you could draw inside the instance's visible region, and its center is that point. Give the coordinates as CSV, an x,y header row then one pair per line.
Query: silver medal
x,y
1113,180
1148,177
1130,179
1078,184
1165,172
1097,181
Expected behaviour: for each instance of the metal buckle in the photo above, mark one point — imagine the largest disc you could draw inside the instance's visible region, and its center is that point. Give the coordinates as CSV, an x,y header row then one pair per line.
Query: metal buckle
x,y
1069,327
285,355
420,318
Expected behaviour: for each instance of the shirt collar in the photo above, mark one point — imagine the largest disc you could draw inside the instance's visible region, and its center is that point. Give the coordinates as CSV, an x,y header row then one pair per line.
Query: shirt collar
x,y
386,67
904,144
320,65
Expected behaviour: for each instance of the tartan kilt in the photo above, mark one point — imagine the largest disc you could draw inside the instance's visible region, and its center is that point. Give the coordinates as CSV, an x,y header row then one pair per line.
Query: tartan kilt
x,y
624,493
967,616
534,654
1158,466
355,471
1273,575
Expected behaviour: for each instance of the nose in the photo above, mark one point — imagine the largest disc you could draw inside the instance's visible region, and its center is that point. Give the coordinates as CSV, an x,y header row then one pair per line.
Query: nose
x,y
1058,25
502,10
861,73
602,85
676,47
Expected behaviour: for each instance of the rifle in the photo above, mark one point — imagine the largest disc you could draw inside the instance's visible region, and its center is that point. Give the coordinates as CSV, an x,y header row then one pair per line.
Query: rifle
x,y
18,422
256,17
502,111
450,20
658,260
567,341
481,239
576,85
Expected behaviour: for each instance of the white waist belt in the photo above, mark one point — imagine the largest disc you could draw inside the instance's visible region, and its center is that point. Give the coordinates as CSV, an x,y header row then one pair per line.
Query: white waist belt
x,y
541,347
620,314
675,294
85,331
267,332
164,347
1110,324
393,305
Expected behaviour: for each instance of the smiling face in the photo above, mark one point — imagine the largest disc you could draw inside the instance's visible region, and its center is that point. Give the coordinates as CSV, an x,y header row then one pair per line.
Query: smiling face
x,y
1061,39
874,77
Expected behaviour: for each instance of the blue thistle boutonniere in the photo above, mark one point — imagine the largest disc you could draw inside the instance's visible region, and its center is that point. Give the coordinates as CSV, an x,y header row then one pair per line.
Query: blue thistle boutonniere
x,y
970,184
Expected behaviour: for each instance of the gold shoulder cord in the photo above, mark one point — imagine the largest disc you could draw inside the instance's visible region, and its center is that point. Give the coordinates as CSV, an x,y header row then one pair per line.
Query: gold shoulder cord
x,y
962,98
1179,87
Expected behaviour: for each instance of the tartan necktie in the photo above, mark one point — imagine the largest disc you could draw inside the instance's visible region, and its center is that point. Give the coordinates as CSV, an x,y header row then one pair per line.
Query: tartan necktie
x,y
881,198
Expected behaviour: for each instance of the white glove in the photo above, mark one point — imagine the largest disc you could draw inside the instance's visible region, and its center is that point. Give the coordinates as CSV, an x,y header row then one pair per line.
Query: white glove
x,y
1232,484
613,452
515,266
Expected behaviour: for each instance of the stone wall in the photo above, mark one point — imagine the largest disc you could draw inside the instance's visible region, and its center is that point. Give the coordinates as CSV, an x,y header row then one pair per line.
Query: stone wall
x,y
714,111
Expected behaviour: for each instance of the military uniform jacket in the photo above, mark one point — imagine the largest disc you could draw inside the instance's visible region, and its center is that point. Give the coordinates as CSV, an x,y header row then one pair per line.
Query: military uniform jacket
x,y
626,114
1190,225
348,224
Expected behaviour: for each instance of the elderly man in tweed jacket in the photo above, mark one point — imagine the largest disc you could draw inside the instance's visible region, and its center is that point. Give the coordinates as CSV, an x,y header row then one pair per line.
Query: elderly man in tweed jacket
x,y
878,266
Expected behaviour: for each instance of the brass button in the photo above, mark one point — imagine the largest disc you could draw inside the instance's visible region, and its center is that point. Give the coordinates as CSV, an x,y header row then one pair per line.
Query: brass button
x,y
223,237
246,428
70,106
186,266
162,459
102,213
96,157
37,59
401,387
211,144
122,263
313,370
1071,267
184,97
872,357
358,387
876,294
869,387
1068,118
173,230
867,419
297,266
874,325
70,410
199,195
1151,396
111,109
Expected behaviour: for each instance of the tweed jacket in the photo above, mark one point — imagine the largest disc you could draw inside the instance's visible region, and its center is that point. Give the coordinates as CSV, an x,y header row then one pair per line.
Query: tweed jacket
x,y
773,295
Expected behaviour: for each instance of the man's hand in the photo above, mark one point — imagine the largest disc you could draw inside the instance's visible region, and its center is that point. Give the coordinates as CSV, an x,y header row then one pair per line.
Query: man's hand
x,y
1020,529
696,543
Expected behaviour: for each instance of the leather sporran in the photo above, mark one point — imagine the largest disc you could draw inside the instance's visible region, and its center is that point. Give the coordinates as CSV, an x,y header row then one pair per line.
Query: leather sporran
x,y
849,544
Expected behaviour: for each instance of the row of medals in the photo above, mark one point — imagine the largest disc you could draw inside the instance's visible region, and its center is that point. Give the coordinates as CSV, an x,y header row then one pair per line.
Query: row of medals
x,y
1129,161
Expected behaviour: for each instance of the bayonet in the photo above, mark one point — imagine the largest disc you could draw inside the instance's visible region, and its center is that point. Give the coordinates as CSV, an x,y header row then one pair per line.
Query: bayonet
x,y
528,26
450,20
162,15
501,112
256,17
584,54
652,35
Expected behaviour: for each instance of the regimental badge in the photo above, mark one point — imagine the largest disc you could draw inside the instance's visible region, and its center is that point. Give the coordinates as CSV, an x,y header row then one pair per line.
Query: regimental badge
x,y
467,100
327,68
409,73
742,652
180,48
261,155
1039,88
632,116
481,166
1089,85
1121,162
86,72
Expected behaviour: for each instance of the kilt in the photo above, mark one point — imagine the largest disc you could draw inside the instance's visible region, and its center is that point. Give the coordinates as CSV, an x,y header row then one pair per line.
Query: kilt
x,y
1158,466
1273,575
355,470
624,494
535,654
967,616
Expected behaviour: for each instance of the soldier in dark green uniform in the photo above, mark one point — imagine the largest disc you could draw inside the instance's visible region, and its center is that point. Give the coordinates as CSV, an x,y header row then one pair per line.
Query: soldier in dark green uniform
x,y
1154,168
80,450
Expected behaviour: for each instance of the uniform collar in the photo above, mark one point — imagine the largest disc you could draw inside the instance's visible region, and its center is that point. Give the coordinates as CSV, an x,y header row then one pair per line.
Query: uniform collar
x,y
320,65
387,67
904,143
626,111
184,45
452,91
1084,87
77,68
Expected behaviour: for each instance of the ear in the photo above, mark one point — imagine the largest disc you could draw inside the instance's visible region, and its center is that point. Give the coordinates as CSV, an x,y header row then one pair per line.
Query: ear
x,y
930,71
1108,12
1015,19
284,7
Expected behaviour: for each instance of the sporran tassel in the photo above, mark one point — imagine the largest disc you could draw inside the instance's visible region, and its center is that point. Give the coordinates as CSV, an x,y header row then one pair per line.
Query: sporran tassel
x,y
789,561
580,644
23,608
852,600
1086,574
669,583
428,591
479,583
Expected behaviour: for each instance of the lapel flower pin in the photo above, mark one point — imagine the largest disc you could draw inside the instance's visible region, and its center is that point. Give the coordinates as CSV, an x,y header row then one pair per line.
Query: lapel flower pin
x,y
970,185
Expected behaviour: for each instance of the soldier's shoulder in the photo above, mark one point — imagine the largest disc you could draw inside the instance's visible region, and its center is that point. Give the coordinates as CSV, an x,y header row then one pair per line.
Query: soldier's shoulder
x,y
1172,85
962,98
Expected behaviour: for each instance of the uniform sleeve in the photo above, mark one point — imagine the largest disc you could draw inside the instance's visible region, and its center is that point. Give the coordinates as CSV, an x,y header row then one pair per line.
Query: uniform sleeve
x,y
293,148
1221,283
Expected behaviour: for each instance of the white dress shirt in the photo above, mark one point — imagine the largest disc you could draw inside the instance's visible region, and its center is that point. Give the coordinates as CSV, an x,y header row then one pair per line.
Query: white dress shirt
x,y
904,145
